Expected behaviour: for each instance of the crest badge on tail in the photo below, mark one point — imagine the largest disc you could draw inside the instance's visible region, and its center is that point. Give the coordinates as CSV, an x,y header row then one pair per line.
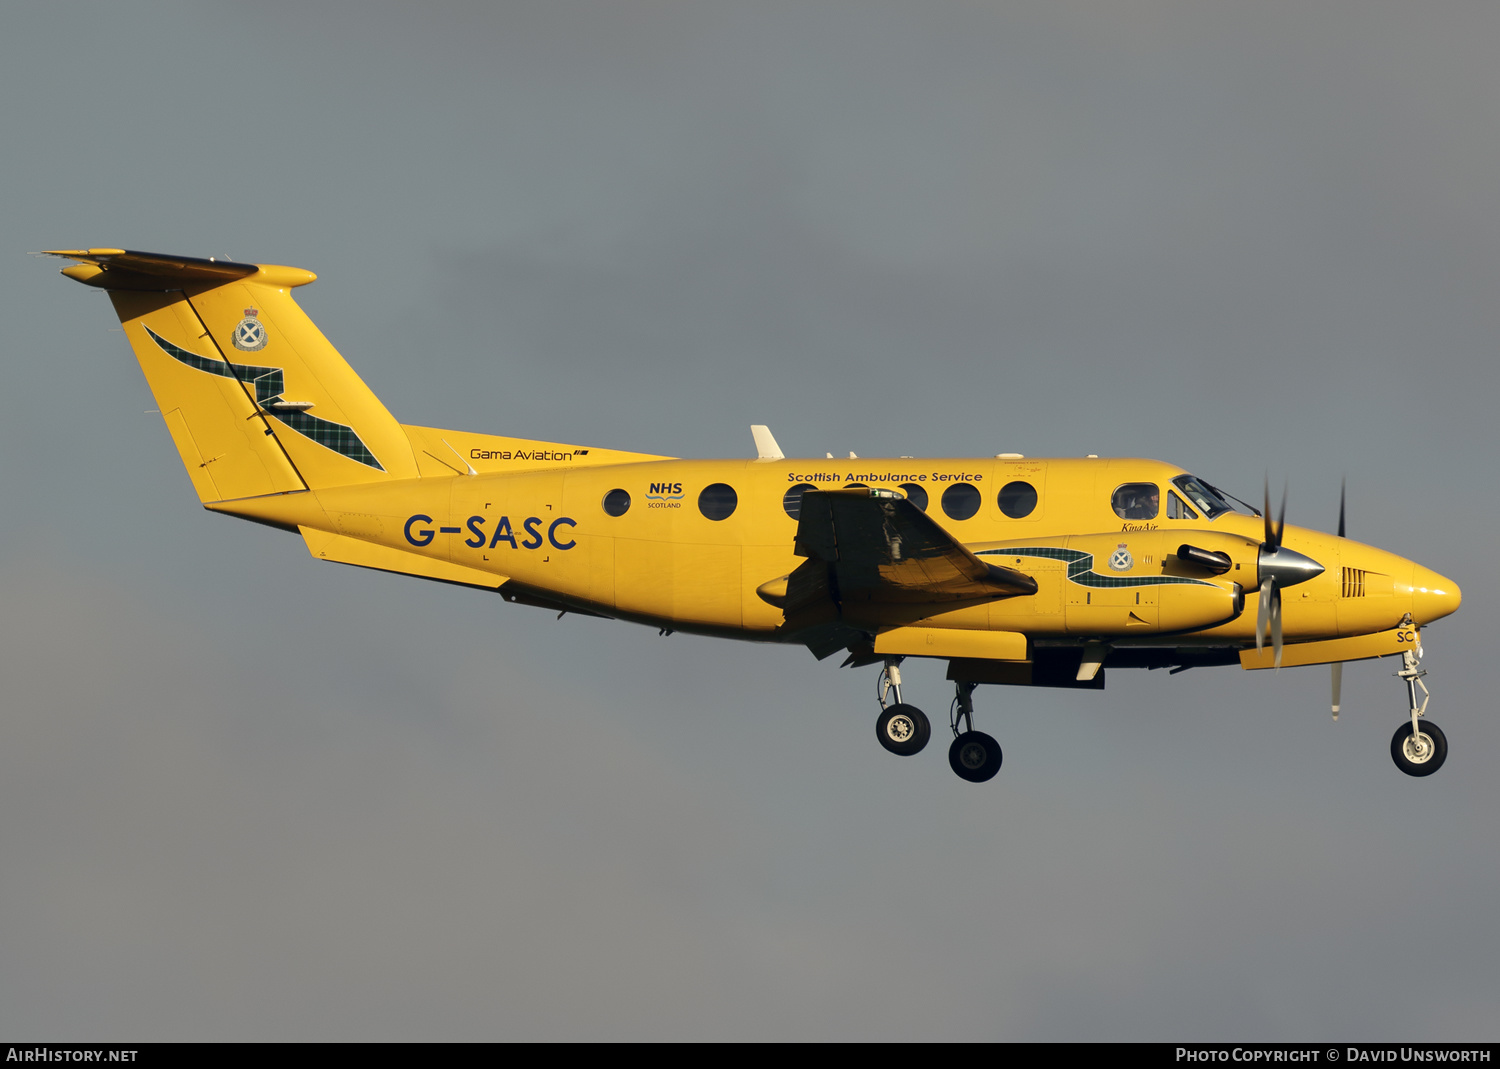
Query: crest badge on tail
x,y
250,333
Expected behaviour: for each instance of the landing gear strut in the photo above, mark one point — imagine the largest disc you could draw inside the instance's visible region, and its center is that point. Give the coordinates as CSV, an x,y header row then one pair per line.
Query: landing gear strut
x,y
1418,748
974,755
902,729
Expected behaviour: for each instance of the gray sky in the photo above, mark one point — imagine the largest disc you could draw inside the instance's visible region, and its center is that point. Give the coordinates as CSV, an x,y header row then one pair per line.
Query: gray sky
x,y
244,795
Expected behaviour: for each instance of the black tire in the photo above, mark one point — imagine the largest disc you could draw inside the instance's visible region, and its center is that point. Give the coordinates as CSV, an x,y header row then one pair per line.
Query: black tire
x,y
903,729
1411,762
975,756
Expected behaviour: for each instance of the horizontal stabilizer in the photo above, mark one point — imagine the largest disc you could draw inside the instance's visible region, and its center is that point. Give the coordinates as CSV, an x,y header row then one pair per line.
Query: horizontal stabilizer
x,y
126,269
345,550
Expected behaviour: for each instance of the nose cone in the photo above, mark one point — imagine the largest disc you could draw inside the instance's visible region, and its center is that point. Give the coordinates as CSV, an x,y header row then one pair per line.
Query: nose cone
x,y
1432,596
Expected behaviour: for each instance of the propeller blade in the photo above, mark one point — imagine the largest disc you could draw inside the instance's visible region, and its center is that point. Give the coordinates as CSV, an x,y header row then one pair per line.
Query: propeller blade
x,y
1338,686
1263,613
1276,623
1342,483
1281,519
1271,539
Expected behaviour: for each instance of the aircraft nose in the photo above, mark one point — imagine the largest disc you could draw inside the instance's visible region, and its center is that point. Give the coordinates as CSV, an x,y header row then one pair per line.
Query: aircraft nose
x,y
1433,596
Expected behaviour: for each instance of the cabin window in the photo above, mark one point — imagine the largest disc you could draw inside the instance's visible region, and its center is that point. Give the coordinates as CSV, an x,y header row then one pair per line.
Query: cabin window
x,y
1137,501
617,502
1018,499
718,501
960,501
791,501
915,494
1177,509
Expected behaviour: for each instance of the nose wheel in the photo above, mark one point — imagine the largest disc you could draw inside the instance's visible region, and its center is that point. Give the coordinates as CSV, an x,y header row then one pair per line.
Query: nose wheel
x,y
1419,747
1421,752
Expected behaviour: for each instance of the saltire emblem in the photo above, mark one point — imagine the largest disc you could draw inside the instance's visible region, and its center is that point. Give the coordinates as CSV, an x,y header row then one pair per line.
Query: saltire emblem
x,y
1121,560
269,386
249,333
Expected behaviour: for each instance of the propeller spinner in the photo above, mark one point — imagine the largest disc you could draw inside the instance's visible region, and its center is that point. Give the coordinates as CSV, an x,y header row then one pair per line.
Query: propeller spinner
x,y
1279,568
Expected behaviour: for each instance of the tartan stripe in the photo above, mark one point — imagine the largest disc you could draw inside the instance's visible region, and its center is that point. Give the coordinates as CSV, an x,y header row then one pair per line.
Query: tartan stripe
x,y
335,436
1081,568
269,383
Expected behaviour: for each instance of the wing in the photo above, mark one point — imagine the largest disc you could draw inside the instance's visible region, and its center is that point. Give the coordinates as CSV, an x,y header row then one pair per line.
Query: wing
x,y
865,548
885,549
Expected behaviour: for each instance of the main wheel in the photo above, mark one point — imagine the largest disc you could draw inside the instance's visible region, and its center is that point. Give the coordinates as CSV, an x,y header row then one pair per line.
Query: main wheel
x,y
975,756
903,729
1421,754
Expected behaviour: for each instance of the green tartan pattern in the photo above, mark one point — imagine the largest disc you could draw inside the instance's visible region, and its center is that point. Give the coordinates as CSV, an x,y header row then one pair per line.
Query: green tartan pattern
x,y
1081,568
269,386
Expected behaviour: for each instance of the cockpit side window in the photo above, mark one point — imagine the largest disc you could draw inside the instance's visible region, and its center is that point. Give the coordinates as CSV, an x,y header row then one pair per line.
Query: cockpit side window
x,y
1210,503
1136,501
1177,509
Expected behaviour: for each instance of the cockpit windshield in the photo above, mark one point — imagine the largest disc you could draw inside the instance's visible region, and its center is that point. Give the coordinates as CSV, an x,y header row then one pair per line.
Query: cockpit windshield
x,y
1201,494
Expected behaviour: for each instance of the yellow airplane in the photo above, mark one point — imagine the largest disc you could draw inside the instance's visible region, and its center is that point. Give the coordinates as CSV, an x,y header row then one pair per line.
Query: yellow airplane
x,y
1040,572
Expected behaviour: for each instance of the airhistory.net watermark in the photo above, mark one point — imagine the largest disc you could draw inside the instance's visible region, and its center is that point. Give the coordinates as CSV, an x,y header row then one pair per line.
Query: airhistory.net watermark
x,y
68,1054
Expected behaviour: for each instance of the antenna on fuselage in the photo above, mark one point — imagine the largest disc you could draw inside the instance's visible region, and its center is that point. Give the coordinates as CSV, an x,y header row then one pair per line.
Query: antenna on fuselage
x,y
765,443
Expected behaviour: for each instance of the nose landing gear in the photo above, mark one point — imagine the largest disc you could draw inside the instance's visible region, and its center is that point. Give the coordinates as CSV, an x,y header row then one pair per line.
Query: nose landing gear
x,y
1418,748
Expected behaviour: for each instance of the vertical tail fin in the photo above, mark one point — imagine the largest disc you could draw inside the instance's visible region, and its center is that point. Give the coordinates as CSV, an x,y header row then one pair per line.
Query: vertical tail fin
x,y
256,399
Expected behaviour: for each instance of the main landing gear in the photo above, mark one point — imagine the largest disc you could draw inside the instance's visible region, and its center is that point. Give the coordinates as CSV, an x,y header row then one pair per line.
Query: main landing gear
x,y
1419,748
904,729
974,755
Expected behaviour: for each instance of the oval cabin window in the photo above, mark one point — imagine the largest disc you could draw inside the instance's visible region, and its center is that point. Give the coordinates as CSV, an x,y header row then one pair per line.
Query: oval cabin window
x,y
960,501
791,501
617,502
1018,499
718,501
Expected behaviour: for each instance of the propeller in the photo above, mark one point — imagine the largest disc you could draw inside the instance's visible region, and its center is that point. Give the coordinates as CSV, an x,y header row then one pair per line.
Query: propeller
x,y
1279,568
1338,666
